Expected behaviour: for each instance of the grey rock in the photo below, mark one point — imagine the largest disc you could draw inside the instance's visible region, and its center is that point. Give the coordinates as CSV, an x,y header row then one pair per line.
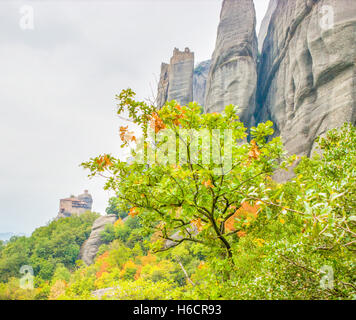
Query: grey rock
x,y
162,95
104,293
181,76
233,76
91,246
200,78
169,243
176,79
265,23
177,236
307,73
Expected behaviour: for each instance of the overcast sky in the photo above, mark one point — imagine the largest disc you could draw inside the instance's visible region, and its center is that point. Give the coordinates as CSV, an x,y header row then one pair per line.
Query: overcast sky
x,y
58,83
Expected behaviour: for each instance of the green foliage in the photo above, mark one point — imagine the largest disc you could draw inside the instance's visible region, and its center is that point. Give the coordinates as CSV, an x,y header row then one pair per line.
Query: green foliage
x,y
108,235
130,232
113,208
57,243
12,291
14,255
170,198
144,290
234,234
305,227
249,237
61,273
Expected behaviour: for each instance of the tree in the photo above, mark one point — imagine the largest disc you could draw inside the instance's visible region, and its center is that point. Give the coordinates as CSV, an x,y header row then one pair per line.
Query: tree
x,y
13,256
61,273
108,234
191,195
113,208
59,242
325,190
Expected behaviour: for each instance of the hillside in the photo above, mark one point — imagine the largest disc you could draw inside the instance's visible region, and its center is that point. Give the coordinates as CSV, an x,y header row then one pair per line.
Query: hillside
x,y
295,242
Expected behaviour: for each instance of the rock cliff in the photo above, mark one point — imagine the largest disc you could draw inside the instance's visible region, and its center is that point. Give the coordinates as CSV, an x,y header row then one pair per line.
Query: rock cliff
x,y
200,78
163,84
176,79
91,246
265,23
233,77
305,78
307,72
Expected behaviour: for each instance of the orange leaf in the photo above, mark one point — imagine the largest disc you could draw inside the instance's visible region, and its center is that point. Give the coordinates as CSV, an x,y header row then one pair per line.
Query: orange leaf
x,y
133,212
103,161
107,160
157,123
127,136
149,259
208,184
246,210
198,224
99,161
254,151
138,273
230,223
241,234
119,222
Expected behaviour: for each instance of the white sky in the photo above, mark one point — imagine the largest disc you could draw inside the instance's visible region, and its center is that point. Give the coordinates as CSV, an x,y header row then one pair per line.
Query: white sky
x,y
58,83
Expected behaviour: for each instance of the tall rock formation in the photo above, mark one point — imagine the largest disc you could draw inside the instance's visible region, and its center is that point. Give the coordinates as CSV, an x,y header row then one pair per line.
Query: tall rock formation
x,y
200,77
265,23
233,76
162,95
306,71
307,75
176,79
91,246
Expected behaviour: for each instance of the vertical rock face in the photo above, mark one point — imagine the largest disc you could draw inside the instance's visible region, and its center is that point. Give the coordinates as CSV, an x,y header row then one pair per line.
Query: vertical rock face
x,y
91,246
162,95
306,71
200,78
265,23
233,76
307,76
176,79
181,76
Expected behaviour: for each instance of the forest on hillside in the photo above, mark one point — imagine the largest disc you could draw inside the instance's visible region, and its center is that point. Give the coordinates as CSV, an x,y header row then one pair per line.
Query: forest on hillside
x,y
198,228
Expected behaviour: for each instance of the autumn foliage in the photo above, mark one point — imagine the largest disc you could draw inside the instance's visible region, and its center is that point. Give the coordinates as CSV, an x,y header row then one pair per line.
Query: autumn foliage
x,y
126,136
246,213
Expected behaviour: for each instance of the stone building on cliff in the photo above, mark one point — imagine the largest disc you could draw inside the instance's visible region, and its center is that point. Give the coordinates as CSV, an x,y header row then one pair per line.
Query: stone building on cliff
x,y
75,205
300,74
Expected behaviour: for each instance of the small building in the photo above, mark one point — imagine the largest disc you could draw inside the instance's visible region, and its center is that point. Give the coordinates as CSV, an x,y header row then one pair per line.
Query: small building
x,y
75,205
